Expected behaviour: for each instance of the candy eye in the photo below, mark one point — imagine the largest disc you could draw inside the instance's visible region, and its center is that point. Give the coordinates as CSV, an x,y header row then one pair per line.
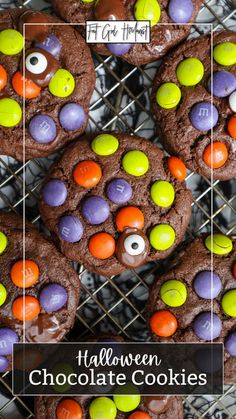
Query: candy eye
x,y
36,63
134,244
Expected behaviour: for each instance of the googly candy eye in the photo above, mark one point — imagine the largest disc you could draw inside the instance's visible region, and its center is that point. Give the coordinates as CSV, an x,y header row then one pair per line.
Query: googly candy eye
x,y
132,248
36,63
40,66
134,244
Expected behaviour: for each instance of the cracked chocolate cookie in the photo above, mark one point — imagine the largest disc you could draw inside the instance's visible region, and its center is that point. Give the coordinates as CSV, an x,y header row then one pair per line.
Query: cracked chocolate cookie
x,y
112,204
55,75
181,101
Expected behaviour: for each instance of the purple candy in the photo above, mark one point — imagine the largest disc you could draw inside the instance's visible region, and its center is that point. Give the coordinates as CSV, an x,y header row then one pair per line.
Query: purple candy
x,y
54,193
51,44
95,210
72,116
119,49
7,338
207,285
70,229
42,129
119,191
204,116
207,326
3,363
224,83
230,344
180,11
53,297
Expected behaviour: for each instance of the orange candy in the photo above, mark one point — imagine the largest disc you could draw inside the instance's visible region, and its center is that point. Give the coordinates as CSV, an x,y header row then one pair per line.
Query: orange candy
x,y
215,155
129,217
177,168
163,323
87,174
69,409
102,245
3,77
234,270
139,415
25,308
24,276
232,127
31,89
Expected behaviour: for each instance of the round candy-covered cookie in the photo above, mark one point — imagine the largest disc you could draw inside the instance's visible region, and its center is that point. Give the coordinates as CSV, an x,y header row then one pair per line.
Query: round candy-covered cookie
x,y
194,302
40,292
195,111
111,203
163,15
56,77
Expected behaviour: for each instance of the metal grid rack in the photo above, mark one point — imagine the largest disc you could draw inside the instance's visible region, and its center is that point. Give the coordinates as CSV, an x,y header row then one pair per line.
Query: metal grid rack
x,y
116,305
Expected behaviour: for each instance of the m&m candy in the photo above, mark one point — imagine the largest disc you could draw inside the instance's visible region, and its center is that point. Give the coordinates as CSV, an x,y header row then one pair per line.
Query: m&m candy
x,y
24,87
7,338
70,228
127,403
232,101
4,364
62,84
225,53
135,163
219,244
163,323
11,42
147,10
215,155
3,294
190,72
222,84
207,326
180,11
95,210
102,408
173,293
24,273
51,44
53,297
207,285
10,112
228,303
230,344
3,77
119,191
87,173
25,308
204,116
162,237
102,245
70,408
168,95
129,217
177,168
3,242
162,193
54,193
105,145
42,129
139,414
72,116
231,126
118,49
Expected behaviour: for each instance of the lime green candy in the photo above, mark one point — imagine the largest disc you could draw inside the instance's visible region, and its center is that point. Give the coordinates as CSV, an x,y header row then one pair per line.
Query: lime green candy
x,y
162,237
147,10
102,408
105,145
127,403
173,293
66,369
168,95
190,72
229,303
11,42
135,163
162,193
225,53
219,244
3,294
87,1
10,112
3,242
62,83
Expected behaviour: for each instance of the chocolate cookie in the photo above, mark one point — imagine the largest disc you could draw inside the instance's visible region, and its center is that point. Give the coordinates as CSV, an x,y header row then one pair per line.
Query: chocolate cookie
x,y
163,37
111,203
55,75
50,285
182,300
181,101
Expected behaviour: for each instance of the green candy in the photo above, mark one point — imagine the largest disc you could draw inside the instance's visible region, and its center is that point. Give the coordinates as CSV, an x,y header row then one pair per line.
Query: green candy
x,y
87,1
225,53
162,237
173,293
135,163
168,95
66,369
162,193
229,303
3,242
190,72
3,294
102,408
105,145
127,403
219,244
62,84
147,10
10,112
11,42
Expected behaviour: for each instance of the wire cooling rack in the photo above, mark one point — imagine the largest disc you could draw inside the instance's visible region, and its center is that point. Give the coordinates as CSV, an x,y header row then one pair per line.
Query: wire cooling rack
x,y
121,101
